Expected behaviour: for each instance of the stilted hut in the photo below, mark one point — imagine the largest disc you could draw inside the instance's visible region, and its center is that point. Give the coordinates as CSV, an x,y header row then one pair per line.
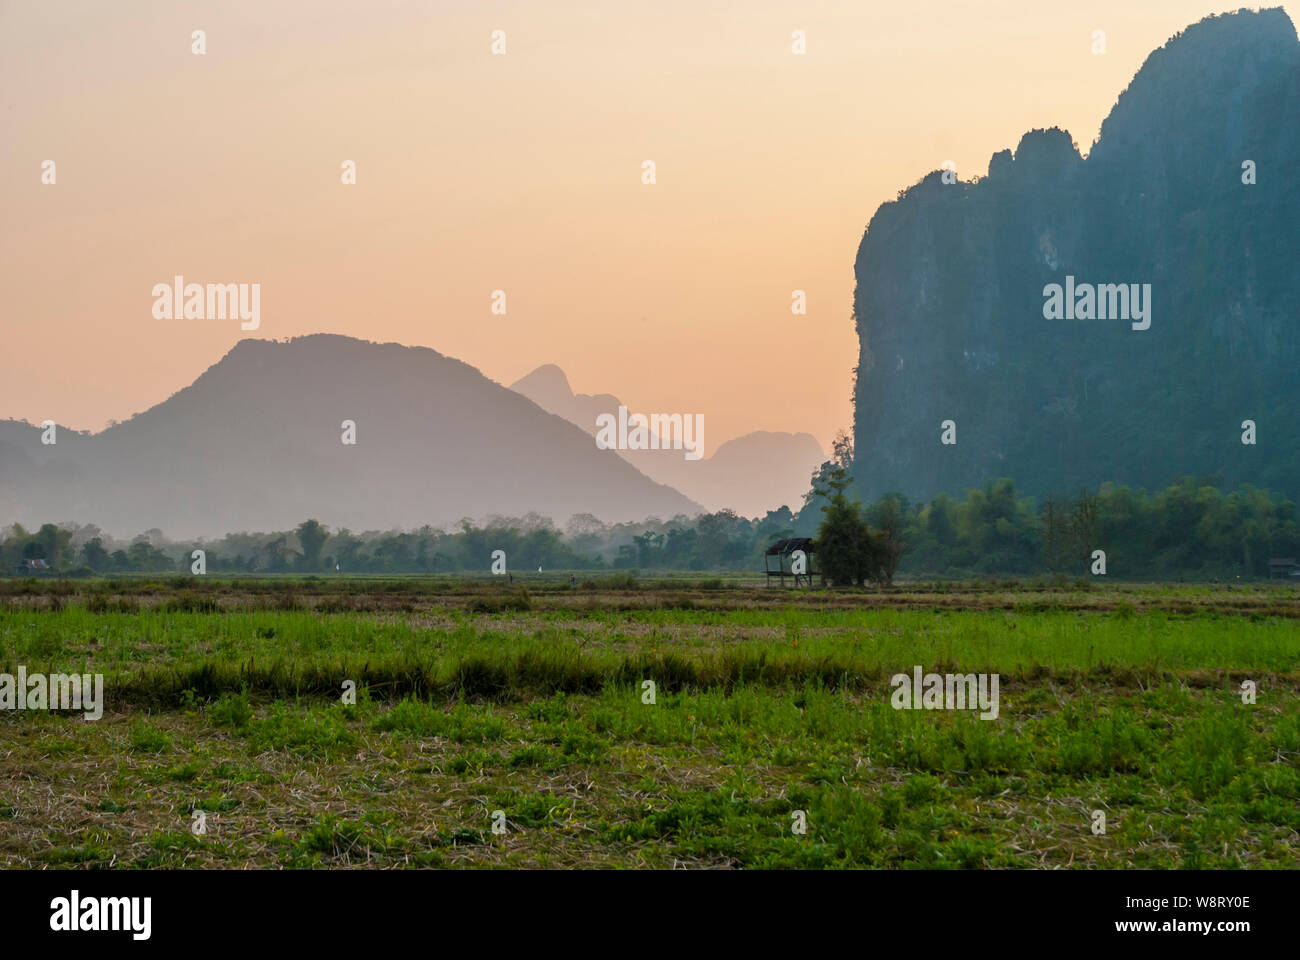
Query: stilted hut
x,y
1283,568
782,556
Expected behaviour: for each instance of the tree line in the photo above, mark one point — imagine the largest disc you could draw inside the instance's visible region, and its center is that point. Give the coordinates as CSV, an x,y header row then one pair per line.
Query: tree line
x,y
1191,529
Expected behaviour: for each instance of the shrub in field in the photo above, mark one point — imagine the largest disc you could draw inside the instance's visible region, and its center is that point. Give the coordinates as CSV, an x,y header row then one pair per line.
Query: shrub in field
x,y
530,756
623,580
99,603
45,645
317,732
462,724
232,710
333,837
190,602
514,600
920,788
147,739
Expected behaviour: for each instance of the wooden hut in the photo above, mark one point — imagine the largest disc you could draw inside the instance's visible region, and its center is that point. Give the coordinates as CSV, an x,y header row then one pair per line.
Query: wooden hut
x,y
780,561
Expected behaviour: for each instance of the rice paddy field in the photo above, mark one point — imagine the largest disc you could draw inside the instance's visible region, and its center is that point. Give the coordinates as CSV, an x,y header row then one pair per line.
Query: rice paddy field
x,y
512,726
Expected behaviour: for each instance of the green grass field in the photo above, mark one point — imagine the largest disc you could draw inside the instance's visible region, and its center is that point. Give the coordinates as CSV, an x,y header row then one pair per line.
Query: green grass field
x,y
772,708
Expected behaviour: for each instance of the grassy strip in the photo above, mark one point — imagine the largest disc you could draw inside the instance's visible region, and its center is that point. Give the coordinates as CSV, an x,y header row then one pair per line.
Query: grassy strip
x,y
1186,778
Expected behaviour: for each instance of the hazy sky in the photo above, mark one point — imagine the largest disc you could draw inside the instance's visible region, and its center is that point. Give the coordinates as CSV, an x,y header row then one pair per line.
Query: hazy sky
x,y
521,172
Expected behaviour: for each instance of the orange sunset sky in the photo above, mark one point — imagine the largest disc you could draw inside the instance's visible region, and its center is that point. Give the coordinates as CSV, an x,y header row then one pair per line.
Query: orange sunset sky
x,y
520,172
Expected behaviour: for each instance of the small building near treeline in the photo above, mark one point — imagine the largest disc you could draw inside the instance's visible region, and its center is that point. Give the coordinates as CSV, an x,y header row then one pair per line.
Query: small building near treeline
x,y
793,557
1283,568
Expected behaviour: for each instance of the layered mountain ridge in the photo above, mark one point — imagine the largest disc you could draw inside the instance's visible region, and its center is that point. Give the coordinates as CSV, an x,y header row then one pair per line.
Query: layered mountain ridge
x,y
256,443
750,474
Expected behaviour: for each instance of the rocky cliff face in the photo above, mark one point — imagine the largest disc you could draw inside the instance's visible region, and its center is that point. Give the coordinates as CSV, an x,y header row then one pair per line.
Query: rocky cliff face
x,y
951,277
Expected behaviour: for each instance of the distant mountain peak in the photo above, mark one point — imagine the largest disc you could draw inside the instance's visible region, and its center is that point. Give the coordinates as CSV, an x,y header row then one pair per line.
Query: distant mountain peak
x,y
548,387
547,377
751,474
257,442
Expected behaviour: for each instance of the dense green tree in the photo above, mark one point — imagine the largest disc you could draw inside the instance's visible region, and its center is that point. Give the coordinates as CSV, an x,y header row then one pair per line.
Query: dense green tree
x,y
94,555
311,537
